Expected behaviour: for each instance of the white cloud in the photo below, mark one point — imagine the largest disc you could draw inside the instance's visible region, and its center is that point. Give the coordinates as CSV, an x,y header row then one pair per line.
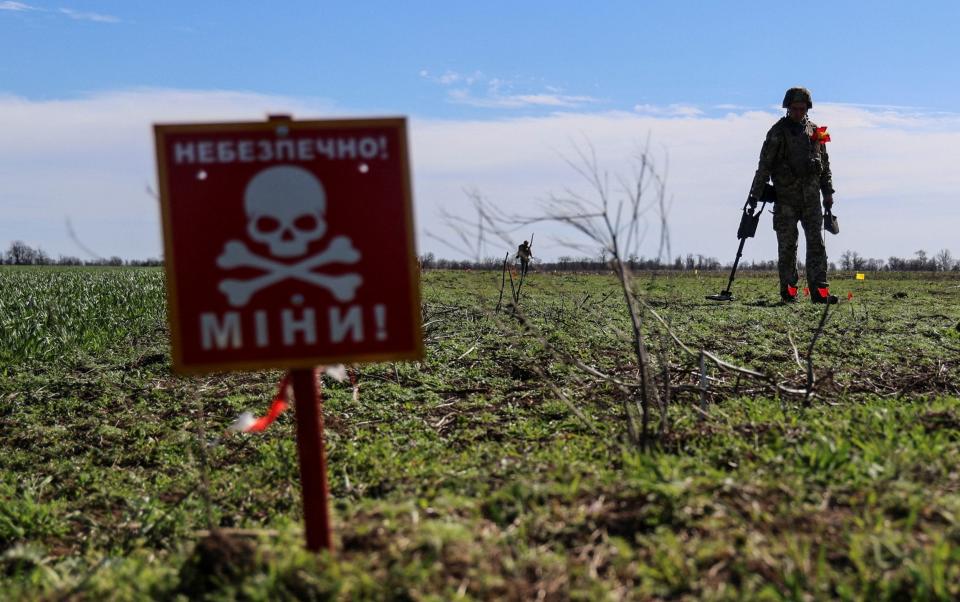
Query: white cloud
x,y
67,12
17,6
673,110
91,158
88,16
480,90
896,188
516,101
448,77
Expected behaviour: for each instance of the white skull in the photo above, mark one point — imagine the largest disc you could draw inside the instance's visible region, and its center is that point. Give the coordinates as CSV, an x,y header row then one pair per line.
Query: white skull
x,y
285,208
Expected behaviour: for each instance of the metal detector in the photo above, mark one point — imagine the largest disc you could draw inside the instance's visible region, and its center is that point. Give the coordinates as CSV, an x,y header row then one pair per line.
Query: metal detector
x,y
748,229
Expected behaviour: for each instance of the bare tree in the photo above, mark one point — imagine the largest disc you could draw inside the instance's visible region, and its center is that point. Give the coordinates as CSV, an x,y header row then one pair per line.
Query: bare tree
x,y
663,208
471,232
613,218
20,253
944,260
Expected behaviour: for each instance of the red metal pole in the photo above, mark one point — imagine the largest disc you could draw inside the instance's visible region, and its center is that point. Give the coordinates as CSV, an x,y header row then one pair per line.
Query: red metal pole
x,y
313,460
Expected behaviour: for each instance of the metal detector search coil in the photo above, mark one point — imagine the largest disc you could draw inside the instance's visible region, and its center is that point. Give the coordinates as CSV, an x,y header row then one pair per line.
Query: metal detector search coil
x,y
747,229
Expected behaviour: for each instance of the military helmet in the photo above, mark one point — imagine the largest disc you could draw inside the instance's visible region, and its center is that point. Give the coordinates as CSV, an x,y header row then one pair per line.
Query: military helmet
x,y
797,95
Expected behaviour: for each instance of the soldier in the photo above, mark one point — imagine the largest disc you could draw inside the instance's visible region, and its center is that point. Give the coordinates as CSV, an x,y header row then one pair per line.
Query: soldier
x,y
524,254
794,154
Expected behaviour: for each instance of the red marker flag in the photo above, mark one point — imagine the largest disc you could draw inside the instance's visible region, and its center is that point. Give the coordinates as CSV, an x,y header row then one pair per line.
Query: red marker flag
x,y
806,291
820,135
792,290
849,296
276,408
247,423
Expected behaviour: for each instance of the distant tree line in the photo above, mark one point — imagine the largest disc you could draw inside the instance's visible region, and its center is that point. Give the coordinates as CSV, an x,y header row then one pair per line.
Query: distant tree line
x,y
429,261
20,253
942,261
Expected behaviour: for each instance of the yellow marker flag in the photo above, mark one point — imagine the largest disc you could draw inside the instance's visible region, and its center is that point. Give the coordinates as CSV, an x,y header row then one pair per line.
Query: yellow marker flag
x,y
861,276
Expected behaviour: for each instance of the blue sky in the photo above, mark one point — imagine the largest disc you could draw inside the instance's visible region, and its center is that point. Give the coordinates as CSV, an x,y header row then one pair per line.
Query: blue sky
x,y
692,75
374,55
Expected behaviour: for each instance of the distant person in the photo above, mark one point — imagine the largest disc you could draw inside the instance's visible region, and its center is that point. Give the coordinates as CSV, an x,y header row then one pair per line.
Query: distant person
x,y
524,254
795,156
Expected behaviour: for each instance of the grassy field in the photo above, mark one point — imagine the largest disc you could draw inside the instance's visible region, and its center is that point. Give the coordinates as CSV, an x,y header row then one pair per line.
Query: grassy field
x,y
467,476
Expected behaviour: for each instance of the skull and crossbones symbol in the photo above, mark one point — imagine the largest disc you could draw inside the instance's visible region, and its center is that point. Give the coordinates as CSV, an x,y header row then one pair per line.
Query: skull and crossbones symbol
x,y
286,207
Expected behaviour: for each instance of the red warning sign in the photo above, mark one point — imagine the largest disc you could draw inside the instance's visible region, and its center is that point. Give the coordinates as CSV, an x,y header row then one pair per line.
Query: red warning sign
x,y
288,243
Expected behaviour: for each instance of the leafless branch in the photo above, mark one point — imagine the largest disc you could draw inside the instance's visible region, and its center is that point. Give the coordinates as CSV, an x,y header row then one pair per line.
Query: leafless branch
x,y
796,354
813,341
724,365
471,232
76,240
609,219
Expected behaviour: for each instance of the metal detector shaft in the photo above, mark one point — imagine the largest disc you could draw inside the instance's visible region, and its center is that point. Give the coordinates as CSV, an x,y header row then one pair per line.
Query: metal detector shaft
x,y
748,229
736,262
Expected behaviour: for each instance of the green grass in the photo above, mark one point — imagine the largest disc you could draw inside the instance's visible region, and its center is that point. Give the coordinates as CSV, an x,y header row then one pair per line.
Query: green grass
x,y
49,312
464,477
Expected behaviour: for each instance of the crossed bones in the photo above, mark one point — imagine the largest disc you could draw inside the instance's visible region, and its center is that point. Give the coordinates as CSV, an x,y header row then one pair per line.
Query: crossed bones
x,y
237,255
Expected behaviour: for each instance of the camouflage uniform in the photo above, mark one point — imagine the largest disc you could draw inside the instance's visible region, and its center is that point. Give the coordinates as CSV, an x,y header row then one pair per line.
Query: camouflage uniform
x,y
800,169
524,254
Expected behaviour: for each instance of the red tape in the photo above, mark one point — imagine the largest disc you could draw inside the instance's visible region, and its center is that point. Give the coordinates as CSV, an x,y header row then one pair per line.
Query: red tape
x,y
247,423
280,403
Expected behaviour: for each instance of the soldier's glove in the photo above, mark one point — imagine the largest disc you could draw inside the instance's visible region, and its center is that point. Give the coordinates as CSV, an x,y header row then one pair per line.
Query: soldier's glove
x,y
828,202
752,203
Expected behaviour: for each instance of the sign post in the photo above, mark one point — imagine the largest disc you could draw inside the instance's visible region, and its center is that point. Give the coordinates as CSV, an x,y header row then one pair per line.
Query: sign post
x,y
313,460
289,244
